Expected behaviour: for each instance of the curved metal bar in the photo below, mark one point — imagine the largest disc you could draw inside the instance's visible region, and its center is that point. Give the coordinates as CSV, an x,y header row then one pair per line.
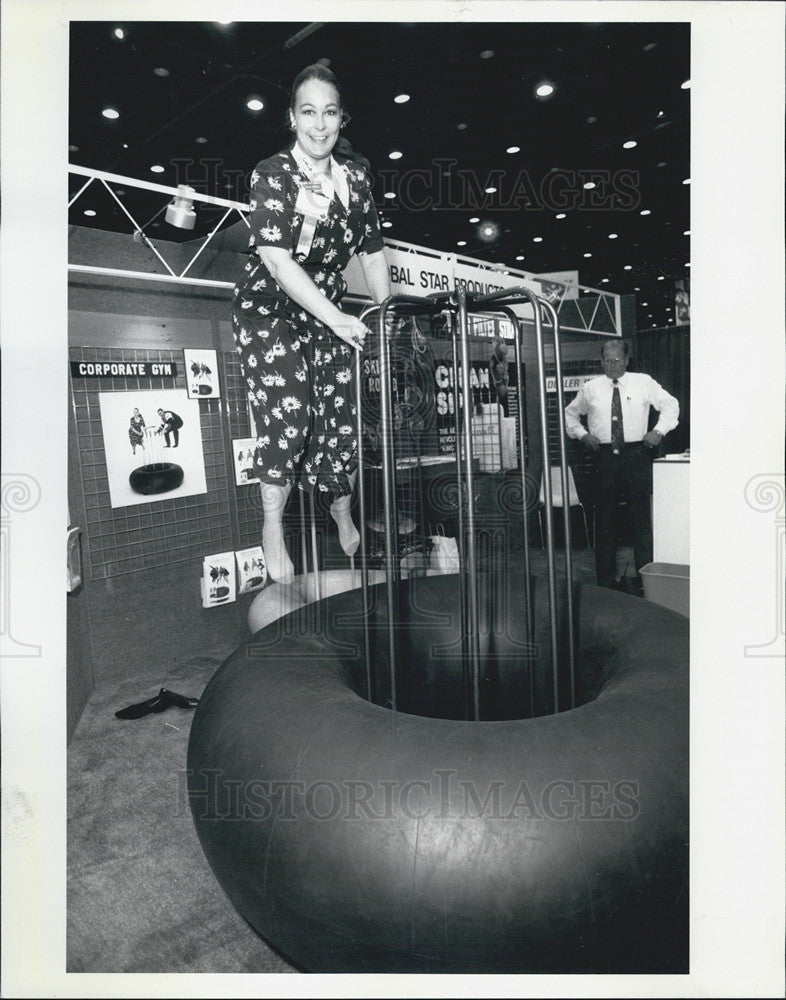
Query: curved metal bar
x,y
473,639
362,511
461,533
528,611
390,515
511,296
551,311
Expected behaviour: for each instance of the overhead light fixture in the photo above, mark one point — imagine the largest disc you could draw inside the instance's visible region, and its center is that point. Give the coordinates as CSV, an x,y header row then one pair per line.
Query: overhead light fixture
x,y
513,149
487,54
686,181
630,144
119,33
395,155
645,211
110,113
461,126
544,90
520,257
612,236
560,215
685,85
89,212
589,185
537,239
180,211
389,194
474,219
401,98
491,190
157,168
254,104
587,254
628,267
161,71
200,139
461,243
387,225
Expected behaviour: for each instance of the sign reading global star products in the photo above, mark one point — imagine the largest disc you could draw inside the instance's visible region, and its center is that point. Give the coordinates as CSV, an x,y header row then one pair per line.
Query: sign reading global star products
x,y
421,272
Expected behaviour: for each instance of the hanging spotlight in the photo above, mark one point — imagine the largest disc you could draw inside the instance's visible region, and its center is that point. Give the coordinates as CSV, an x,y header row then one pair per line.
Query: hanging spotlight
x,y
488,232
180,212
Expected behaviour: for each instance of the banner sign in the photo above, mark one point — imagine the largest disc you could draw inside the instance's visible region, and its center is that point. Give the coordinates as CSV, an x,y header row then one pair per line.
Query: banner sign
x,y
123,369
570,383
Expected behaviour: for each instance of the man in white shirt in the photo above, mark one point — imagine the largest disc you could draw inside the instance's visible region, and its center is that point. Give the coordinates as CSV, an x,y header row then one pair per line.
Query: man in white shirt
x,y
617,408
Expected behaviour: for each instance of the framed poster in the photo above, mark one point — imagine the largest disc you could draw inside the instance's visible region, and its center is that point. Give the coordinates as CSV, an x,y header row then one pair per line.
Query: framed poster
x,y
243,457
153,446
201,374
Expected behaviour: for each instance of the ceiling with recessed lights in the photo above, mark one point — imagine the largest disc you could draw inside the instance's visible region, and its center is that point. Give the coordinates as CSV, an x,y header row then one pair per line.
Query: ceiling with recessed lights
x,y
548,147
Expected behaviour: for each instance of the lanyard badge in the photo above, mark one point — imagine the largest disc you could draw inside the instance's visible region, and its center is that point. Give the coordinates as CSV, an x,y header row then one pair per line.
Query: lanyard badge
x,y
313,204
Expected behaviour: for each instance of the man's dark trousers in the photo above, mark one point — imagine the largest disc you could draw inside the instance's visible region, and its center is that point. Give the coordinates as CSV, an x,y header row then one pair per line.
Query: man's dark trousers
x,y
627,476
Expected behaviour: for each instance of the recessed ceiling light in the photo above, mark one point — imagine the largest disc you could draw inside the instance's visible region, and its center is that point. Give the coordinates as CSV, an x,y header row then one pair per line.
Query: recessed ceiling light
x,y
604,281
592,120
461,126
537,239
686,181
663,163
474,219
491,190
389,194
200,139
520,257
157,168
125,145
645,303
254,104
636,288
587,254
688,264
650,46
630,144
661,277
395,155
461,243
161,71
645,211
487,54
88,211
589,185
224,22
686,233
110,113
685,85
513,149
401,98
387,225
628,267
560,215
544,90
119,33
613,236
73,149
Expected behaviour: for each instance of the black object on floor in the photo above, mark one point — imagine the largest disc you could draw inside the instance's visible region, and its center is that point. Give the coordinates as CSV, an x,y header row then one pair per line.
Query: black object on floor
x,y
160,703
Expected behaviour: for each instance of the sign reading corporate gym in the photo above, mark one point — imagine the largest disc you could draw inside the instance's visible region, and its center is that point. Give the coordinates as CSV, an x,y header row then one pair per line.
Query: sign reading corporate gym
x,y
123,369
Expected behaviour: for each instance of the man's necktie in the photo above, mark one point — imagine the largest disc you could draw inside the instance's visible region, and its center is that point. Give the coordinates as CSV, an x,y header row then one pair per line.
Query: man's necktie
x,y
617,430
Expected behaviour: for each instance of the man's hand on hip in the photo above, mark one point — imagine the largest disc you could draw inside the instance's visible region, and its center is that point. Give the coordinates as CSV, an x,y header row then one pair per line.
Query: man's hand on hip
x,y
591,442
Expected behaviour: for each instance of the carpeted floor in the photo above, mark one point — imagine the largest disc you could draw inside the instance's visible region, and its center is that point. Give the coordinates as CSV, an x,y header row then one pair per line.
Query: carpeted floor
x,y
141,896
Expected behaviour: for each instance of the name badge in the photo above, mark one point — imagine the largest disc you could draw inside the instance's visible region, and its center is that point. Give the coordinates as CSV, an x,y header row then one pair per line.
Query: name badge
x,y
312,202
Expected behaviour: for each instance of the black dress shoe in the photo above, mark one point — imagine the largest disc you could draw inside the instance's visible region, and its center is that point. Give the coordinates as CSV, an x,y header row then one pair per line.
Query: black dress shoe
x,y
160,703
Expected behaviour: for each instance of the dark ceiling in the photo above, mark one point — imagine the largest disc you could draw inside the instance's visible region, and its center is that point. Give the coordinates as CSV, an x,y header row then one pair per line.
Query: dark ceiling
x,y
472,96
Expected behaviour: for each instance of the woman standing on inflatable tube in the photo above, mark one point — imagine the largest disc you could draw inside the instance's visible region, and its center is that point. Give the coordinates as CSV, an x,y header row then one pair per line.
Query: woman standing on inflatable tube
x,y
310,213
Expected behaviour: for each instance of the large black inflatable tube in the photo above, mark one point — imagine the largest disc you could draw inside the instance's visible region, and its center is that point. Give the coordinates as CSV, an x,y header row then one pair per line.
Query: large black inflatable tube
x,y
355,838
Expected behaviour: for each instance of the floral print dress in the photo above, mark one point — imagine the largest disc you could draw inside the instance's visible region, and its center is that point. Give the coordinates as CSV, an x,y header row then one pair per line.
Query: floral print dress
x,y
298,372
